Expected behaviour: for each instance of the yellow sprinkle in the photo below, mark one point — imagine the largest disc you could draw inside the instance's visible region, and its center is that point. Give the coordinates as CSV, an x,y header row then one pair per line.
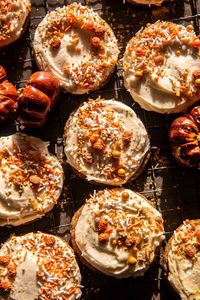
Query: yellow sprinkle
x,y
116,154
125,196
197,82
132,260
121,172
189,28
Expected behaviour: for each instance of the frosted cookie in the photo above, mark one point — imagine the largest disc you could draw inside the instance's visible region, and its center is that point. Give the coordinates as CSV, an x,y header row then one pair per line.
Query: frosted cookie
x,y
105,142
117,232
38,266
31,179
13,20
77,46
182,255
162,67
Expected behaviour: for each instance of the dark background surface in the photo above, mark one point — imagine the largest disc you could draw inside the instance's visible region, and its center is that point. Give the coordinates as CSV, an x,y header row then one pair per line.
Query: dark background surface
x,y
174,189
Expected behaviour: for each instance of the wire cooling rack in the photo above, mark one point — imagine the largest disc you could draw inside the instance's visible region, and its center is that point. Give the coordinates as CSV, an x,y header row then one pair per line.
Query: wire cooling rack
x,y
174,190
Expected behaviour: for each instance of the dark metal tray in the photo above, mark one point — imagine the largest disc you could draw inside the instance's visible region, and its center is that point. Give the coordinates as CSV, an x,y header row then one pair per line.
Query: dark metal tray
x,y
175,190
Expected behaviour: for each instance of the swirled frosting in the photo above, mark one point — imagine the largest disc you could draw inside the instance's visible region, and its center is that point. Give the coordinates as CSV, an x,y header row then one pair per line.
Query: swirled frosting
x,y
31,179
38,266
118,231
106,142
161,67
77,46
183,260
13,15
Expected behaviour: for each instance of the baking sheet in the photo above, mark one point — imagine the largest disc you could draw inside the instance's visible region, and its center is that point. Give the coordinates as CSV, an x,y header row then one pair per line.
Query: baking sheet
x,y
174,190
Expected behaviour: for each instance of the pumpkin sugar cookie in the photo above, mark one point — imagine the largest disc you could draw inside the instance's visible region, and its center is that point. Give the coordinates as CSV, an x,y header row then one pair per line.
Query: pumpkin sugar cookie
x,y
117,232
13,20
182,258
31,179
77,46
161,67
106,143
38,266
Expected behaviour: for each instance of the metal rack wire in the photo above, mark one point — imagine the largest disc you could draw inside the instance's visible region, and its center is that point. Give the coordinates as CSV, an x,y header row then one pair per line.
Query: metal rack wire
x,y
174,190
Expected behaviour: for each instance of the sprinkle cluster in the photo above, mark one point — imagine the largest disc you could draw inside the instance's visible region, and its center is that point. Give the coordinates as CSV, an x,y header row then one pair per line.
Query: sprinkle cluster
x,y
122,220
186,239
102,138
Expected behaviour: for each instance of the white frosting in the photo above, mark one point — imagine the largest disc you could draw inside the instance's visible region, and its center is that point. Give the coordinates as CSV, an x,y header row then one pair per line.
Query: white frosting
x,y
25,280
21,201
184,271
161,87
86,69
111,119
13,13
35,277
109,259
